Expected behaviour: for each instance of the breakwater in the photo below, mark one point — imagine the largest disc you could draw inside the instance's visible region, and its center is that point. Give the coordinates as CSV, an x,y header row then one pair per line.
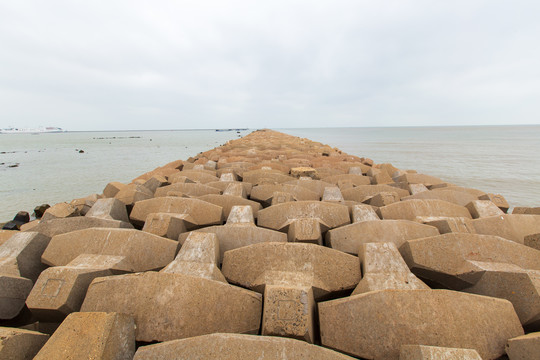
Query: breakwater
x,y
266,247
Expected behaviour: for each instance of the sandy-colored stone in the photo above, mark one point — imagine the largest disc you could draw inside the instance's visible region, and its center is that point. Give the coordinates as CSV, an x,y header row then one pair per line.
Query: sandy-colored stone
x,y
20,344
354,179
199,212
155,182
526,210
197,176
133,193
167,225
332,193
223,185
14,290
270,176
324,269
384,198
61,226
483,208
199,256
191,189
235,189
455,197
112,189
448,224
305,230
142,250
525,347
280,197
497,199
376,324
304,172
60,210
109,209
236,346
227,202
174,306
349,238
410,209
532,240
427,180
264,193
316,186
21,254
6,234
359,193
417,188
513,227
363,212
449,259
422,352
92,336
383,268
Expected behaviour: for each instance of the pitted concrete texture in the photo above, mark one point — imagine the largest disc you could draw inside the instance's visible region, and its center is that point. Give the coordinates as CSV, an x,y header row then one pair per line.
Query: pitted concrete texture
x,y
513,227
142,250
497,199
363,212
20,344
235,346
448,224
13,293
483,208
175,306
525,347
376,324
167,225
422,352
60,210
22,254
360,192
61,226
349,238
89,335
109,209
455,197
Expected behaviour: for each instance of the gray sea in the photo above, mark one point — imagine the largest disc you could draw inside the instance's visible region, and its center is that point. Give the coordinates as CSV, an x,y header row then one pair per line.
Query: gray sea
x,y
48,168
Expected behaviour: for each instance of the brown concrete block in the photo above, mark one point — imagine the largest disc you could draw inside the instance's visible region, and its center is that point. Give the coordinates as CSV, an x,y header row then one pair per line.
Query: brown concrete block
x,y
355,170
109,209
82,205
392,318
356,180
272,176
454,197
381,178
142,250
264,193
6,234
61,226
304,172
360,192
525,347
13,293
22,252
449,259
178,177
199,256
229,177
532,240
112,189
427,180
280,197
305,230
448,224
349,238
498,200
410,209
332,194
383,268
197,176
363,212
237,346
166,225
176,306
526,210
155,182
513,227
235,189
133,193
289,312
60,210
422,352
241,215
383,199
324,269
20,344
483,208
91,336
345,185
227,202
191,189
417,188
198,212
222,185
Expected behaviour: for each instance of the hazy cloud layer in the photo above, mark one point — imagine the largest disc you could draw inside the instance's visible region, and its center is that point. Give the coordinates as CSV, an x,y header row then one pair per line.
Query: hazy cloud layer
x,y
87,65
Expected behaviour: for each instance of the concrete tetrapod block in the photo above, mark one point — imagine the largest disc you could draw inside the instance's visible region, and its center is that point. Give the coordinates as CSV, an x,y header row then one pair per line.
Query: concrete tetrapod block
x,y
155,182
376,324
363,212
61,226
526,210
306,230
316,186
483,208
223,185
60,210
410,209
455,197
20,344
228,201
332,193
199,212
256,176
191,189
6,234
448,224
142,250
359,193
60,290
278,216
235,189
109,209
419,179
198,176
448,259
90,335
509,226
112,189
22,254
326,270
132,193
279,197
199,256
384,198
13,293
422,352
175,306
349,238
383,268
355,179
532,240
236,346
498,200
264,193
167,225
525,347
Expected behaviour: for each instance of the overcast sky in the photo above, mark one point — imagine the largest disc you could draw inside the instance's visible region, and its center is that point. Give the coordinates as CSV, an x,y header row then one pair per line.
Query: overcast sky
x,y
103,65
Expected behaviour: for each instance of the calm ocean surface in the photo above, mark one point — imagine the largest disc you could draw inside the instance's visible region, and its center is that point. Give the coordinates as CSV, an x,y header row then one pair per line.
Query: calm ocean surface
x,y
497,159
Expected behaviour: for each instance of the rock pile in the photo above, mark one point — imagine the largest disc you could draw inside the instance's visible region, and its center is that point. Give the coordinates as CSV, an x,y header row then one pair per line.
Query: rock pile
x,y
274,247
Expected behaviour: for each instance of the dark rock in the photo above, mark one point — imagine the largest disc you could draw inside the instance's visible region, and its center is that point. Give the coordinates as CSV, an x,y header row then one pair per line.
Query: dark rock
x,y
40,210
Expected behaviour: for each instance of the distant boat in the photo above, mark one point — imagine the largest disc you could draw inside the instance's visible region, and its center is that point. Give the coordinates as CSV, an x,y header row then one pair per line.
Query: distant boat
x,y
48,129
231,130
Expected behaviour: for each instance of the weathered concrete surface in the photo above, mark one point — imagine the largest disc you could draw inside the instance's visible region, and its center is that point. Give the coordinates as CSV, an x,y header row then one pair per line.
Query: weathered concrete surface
x,y
455,197
526,210
20,344
376,324
92,336
191,189
498,200
60,210
13,293
262,176
132,193
422,352
112,189
142,250
199,256
532,240
235,346
410,209
21,254
305,230
525,347
166,225
513,227
483,208
449,259
264,193
316,186
359,193
61,226
176,306
235,189
223,185
6,234
448,224
109,209
199,212
426,180
348,238
355,179
363,212
278,216
383,268
263,264
228,201
197,176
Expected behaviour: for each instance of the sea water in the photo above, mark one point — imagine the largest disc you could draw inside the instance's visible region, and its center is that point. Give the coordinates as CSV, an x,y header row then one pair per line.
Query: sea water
x,y
48,168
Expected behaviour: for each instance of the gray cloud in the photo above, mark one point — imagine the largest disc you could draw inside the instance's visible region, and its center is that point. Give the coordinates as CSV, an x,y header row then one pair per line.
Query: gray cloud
x,y
179,64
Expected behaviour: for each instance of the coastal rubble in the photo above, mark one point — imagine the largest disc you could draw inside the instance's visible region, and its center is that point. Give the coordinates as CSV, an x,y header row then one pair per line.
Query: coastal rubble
x,y
274,247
